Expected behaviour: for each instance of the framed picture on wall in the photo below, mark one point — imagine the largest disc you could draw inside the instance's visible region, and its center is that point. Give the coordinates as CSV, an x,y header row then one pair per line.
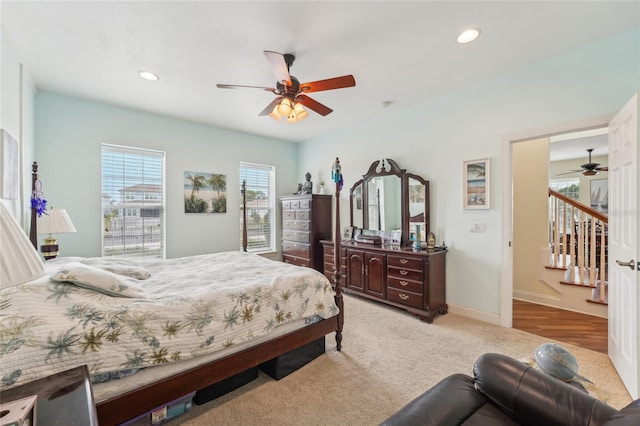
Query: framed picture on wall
x,y
10,166
476,184
599,198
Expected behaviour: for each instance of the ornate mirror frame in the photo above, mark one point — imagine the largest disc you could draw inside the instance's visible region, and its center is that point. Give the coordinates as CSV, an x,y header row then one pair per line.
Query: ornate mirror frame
x,y
359,198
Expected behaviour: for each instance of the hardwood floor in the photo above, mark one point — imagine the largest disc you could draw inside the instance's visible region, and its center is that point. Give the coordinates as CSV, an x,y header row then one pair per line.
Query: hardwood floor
x,y
582,330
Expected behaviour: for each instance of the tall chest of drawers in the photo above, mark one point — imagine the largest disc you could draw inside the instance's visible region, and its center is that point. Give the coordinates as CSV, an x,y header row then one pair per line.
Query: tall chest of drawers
x,y
306,219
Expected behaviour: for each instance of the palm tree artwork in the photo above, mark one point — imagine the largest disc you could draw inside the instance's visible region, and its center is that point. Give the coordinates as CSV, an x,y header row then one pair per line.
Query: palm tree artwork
x,y
205,192
476,182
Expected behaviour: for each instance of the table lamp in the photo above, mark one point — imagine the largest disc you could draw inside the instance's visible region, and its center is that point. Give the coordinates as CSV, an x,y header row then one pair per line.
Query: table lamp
x,y
19,260
55,221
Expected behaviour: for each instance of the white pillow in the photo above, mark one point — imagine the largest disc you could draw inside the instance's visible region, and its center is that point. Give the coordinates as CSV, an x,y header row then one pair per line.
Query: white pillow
x,y
131,271
99,280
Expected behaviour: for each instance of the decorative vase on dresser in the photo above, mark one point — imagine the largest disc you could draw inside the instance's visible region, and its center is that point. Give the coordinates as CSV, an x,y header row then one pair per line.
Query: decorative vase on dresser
x,y
306,219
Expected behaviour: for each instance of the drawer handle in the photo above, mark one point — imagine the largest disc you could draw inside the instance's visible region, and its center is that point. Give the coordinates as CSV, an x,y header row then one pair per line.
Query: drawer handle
x,y
403,261
403,272
373,259
403,296
404,283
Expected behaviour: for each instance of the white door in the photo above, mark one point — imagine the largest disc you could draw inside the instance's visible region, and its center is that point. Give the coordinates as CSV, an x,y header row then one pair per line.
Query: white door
x,y
624,249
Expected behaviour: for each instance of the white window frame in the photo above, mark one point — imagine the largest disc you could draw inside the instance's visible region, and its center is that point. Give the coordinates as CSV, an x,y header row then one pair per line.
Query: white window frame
x,y
143,238
270,192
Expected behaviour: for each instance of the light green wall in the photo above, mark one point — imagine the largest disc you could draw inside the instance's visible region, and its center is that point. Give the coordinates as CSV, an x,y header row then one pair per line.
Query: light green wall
x,y
70,132
434,138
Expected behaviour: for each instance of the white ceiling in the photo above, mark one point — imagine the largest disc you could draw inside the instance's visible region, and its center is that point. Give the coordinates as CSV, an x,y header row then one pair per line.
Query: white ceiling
x,y
401,52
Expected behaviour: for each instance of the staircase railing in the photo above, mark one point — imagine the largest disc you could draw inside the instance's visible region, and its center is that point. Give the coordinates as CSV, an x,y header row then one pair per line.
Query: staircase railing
x,y
578,240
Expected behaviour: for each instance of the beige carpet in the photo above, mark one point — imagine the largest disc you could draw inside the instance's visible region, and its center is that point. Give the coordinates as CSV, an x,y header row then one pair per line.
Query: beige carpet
x,y
388,357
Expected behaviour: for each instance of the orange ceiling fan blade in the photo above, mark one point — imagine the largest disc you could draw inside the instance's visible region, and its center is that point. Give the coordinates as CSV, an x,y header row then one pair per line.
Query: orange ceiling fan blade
x,y
313,105
328,84
280,65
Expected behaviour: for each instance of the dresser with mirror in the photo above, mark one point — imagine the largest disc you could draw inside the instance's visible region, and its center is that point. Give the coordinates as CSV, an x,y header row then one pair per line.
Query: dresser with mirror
x,y
392,264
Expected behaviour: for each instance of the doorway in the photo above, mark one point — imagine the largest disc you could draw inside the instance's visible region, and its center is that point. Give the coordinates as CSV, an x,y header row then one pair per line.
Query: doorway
x,y
542,303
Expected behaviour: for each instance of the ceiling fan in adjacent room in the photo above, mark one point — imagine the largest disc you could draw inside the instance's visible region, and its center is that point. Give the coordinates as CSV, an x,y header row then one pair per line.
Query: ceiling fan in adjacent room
x,y
588,169
291,94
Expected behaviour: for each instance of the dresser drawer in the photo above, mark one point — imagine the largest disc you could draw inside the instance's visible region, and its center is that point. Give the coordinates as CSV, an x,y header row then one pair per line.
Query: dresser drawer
x,y
299,236
405,297
296,225
294,260
288,214
286,205
405,274
405,262
305,204
295,249
303,214
404,284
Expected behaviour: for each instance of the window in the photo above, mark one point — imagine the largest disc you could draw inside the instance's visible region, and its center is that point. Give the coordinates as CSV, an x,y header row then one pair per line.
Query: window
x,y
133,202
261,207
567,187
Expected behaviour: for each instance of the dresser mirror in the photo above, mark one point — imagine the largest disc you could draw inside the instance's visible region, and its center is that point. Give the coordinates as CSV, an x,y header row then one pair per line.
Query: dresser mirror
x,y
388,198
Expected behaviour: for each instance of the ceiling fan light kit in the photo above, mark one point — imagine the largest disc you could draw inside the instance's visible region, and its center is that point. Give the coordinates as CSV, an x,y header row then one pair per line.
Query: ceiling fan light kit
x,y
289,90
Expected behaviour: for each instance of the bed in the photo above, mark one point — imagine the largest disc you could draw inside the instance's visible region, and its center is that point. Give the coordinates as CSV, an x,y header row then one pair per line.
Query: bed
x,y
124,317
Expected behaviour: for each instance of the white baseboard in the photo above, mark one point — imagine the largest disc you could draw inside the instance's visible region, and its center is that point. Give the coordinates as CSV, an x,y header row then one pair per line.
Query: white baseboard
x,y
475,314
540,299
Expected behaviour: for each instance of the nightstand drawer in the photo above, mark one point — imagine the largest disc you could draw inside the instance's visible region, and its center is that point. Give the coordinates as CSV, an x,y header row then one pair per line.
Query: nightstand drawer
x,y
405,262
405,285
405,297
405,274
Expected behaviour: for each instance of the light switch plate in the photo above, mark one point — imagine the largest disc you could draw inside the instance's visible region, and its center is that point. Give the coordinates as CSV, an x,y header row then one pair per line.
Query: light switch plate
x,y
475,226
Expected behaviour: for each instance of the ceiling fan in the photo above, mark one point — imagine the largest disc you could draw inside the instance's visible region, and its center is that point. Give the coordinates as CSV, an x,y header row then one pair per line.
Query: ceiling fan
x,y
589,169
291,94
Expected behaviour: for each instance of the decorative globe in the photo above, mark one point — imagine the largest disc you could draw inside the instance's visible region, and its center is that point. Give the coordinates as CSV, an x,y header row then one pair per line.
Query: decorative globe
x,y
556,361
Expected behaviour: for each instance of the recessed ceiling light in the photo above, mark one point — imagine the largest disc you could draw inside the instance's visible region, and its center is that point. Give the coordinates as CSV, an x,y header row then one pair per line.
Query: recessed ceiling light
x,y
148,75
468,36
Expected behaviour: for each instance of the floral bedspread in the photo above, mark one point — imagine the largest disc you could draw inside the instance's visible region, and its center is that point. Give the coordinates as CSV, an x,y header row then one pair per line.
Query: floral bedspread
x,y
190,306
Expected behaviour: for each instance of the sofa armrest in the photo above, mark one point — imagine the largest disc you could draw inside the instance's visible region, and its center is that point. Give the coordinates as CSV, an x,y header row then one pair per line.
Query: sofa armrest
x,y
449,402
532,397
628,416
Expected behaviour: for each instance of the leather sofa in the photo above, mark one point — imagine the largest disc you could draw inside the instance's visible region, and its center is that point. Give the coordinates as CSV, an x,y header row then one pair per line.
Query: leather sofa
x,y
505,391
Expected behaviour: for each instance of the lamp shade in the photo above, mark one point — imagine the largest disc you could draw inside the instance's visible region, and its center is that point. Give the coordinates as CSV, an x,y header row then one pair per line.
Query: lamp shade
x,y
19,260
55,221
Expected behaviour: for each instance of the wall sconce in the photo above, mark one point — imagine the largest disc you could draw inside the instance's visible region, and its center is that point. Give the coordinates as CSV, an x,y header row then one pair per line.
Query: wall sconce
x,y
55,221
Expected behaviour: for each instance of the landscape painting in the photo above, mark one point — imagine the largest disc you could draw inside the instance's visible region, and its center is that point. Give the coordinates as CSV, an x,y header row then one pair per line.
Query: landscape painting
x,y
205,192
476,184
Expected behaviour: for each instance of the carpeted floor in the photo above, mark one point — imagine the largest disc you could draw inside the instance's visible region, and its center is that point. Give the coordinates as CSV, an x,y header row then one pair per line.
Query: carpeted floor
x,y
388,357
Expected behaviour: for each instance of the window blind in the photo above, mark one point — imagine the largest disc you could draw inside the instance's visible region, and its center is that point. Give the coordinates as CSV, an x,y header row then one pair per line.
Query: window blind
x,y
261,217
133,202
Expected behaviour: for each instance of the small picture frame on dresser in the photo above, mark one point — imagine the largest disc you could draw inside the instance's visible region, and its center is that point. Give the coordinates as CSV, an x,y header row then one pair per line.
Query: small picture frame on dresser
x,y
347,233
396,236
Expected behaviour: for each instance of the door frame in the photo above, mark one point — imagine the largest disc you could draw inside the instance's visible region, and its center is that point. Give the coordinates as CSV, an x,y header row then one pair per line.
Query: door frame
x,y
506,221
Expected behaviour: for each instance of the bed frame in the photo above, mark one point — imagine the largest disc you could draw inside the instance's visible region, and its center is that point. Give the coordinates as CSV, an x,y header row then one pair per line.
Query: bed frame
x,y
131,404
